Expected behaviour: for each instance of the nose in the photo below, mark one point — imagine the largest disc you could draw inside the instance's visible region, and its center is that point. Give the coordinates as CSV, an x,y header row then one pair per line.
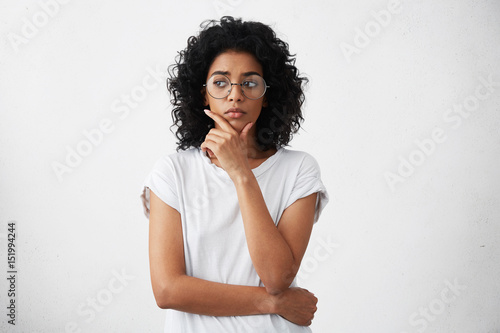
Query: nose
x,y
236,93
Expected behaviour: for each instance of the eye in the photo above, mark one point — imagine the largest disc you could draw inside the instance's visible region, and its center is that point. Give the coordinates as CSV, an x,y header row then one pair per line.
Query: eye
x,y
250,84
220,83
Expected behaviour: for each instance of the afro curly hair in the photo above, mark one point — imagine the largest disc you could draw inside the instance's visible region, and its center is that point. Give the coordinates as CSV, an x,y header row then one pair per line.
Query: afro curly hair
x,y
282,116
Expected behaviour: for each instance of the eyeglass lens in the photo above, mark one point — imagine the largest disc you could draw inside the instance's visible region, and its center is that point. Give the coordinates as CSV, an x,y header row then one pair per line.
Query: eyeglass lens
x,y
219,86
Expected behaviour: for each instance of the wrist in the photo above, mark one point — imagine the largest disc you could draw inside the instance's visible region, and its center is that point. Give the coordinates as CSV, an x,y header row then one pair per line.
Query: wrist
x,y
272,304
243,177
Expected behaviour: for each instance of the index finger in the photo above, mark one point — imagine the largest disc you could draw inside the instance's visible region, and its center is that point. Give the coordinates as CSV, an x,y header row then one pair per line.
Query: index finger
x,y
219,120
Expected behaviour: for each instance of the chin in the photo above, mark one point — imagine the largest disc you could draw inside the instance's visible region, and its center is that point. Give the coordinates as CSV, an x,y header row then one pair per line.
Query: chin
x,y
237,124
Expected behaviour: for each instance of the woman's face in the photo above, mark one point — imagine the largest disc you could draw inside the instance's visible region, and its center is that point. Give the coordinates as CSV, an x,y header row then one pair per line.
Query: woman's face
x,y
236,108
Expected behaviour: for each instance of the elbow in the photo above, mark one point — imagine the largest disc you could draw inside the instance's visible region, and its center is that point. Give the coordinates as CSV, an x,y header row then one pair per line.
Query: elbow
x,y
279,282
164,298
277,286
162,303
167,292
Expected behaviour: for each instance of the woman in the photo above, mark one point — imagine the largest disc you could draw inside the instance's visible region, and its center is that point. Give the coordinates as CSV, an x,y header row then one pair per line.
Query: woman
x,y
232,211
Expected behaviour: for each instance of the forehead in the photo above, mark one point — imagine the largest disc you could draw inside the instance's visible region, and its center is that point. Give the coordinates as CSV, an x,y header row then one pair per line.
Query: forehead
x,y
235,63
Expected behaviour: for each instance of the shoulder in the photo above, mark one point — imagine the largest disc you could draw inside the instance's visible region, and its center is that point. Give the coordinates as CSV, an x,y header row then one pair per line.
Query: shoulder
x,y
181,156
177,160
295,154
302,159
184,156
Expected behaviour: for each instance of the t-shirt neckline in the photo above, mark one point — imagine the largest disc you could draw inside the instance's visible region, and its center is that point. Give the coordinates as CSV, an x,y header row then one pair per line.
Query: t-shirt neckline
x,y
263,167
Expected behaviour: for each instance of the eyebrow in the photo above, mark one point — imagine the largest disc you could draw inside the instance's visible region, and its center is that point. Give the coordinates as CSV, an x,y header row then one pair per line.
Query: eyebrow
x,y
227,72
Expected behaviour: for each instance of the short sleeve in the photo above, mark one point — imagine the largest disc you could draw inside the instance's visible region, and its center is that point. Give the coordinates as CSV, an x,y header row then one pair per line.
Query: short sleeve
x,y
162,181
308,181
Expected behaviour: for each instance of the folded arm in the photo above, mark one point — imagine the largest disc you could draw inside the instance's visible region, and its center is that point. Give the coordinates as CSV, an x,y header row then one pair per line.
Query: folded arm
x,y
173,289
276,252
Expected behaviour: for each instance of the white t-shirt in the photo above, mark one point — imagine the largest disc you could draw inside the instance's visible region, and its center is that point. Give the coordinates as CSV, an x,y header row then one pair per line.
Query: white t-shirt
x,y
215,246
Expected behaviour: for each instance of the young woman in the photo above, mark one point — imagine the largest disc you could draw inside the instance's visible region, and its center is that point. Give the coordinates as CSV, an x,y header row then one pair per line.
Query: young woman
x,y
232,211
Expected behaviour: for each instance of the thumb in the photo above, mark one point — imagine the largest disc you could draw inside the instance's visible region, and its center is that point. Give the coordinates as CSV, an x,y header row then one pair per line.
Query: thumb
x,y
244,131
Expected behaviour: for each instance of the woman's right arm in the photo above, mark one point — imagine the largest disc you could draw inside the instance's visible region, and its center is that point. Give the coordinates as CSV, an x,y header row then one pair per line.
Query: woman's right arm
x,y
173,289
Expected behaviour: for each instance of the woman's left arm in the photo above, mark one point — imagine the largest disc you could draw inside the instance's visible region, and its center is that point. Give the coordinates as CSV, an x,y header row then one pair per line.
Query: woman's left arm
x,y
276,251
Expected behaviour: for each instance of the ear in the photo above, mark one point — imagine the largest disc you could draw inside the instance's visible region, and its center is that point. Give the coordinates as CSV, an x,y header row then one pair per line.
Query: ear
x,y
204,94
264,102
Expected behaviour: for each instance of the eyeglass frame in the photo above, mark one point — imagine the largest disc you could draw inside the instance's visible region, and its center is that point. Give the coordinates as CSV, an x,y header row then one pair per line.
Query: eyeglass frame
x,y
237,84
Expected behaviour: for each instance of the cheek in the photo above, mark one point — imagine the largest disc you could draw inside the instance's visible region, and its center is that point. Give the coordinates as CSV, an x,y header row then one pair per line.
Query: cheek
x,y
257,109
215,105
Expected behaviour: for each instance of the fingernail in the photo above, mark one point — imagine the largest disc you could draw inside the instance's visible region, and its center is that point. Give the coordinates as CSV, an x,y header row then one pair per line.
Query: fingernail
x,y
207,111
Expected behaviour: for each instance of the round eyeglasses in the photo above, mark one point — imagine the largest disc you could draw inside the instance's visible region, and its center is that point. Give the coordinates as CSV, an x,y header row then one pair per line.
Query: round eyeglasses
x,y
253,86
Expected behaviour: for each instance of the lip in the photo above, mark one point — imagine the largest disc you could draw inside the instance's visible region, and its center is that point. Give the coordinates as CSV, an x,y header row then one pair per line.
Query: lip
x,y
235,113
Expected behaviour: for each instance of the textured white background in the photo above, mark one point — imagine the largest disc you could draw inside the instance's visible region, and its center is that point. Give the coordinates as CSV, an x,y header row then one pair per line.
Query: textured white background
x,y
394,249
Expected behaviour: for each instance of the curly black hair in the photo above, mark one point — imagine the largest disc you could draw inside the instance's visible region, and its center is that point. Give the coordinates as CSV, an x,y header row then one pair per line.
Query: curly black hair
x,y
282,116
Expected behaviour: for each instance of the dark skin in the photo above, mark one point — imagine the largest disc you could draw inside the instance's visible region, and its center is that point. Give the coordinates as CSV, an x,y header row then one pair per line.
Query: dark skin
x,y
276,252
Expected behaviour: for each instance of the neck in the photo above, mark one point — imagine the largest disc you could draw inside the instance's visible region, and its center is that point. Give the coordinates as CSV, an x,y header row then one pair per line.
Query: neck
x,y
253,150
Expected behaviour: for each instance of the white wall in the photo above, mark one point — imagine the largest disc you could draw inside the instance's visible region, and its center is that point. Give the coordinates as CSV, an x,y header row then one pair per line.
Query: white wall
x,y
385,252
